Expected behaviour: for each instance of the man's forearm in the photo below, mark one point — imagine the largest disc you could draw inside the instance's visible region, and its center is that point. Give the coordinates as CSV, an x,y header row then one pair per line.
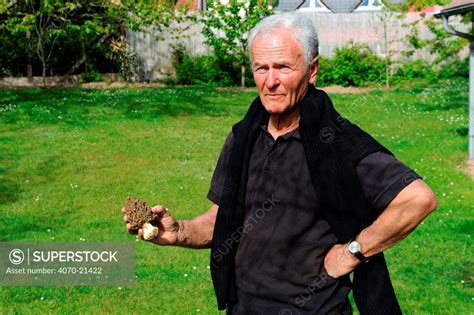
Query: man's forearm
x,y
403,214
400,218
197,233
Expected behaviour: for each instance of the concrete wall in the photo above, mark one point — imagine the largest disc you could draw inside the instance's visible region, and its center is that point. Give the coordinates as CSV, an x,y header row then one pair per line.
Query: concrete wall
x,y
334,30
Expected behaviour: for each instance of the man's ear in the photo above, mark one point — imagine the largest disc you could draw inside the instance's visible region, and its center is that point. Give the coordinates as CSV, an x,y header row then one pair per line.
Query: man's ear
x,y
313,70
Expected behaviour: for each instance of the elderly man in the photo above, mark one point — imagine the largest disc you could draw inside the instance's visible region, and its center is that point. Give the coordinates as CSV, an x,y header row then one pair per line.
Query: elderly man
x,y
301,197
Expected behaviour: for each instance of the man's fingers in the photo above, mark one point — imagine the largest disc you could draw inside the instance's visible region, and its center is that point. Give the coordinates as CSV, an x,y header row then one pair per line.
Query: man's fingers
x,y
140,233
130,229
123,210
159,210
125,219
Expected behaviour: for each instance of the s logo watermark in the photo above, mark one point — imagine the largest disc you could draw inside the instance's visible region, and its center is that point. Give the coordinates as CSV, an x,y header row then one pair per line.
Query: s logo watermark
x,y
16,256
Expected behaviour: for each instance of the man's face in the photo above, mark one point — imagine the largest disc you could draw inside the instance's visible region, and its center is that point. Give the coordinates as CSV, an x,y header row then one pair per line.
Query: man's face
x,y
279,70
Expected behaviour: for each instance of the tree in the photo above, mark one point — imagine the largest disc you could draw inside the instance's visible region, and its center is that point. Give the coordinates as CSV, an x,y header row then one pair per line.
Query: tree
x,y
36,19
45,22
442,45
386,16
227,25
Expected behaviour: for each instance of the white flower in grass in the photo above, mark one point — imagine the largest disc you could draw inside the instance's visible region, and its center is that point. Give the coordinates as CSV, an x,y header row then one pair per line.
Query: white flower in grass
x,y
270,7
245,36
224,2
242,14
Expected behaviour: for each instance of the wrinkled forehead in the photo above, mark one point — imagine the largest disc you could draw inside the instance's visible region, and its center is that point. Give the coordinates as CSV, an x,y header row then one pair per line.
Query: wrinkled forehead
x,y
279,43
276,35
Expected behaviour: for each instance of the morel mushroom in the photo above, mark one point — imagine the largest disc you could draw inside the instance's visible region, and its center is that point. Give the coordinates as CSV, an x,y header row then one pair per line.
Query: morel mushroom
x,y
139,216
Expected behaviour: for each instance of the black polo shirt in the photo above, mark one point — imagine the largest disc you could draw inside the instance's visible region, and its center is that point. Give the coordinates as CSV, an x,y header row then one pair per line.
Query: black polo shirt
x,y
279,262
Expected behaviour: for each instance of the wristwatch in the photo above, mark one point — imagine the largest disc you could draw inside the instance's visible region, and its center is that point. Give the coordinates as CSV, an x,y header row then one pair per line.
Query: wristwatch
x,y
355,249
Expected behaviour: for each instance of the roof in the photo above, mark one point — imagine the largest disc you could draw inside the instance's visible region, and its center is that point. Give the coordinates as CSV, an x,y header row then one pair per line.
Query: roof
x,y
289,5
341,6
457,7
190,5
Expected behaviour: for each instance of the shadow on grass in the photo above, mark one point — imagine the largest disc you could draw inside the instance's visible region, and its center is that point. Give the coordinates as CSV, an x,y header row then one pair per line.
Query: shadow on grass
x,y
9,189
441,96
75,106
461,131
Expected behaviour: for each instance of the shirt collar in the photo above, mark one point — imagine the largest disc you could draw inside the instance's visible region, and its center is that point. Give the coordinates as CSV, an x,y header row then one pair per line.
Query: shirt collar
x,y
292,134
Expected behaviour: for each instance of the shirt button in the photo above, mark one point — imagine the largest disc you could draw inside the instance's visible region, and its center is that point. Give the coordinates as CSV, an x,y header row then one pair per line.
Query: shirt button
x,y
271,143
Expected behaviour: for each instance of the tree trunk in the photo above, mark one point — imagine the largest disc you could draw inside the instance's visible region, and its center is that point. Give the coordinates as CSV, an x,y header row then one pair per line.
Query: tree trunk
x,y
29,64
84,55
387,52
242,79
29,69
44,73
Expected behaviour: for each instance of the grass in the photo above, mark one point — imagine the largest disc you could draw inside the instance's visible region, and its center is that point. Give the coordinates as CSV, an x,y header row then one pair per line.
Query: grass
x,y
69,157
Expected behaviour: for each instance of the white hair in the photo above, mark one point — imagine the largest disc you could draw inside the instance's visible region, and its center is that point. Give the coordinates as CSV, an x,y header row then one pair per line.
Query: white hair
x,y
301,26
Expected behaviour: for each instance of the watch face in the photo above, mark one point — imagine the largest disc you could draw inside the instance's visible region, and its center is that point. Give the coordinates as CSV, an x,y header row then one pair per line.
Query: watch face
x,y
354,247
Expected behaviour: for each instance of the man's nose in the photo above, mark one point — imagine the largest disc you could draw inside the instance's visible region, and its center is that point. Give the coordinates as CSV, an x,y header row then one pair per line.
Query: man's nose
x,y
272,78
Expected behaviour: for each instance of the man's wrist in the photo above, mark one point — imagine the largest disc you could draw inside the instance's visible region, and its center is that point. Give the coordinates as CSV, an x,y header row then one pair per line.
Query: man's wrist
x,y
180,234
352,260
354,248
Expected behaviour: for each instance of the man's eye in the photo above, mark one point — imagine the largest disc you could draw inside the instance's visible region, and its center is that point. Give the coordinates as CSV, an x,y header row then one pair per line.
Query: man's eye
x,y
260,70
285,69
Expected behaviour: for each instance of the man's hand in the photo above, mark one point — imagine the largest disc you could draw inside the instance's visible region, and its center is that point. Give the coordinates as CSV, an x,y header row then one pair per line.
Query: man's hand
x,y
195,233
339,261
168,227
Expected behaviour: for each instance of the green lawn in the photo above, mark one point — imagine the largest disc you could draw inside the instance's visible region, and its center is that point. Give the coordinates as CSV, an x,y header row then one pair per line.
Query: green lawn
x,y
69,157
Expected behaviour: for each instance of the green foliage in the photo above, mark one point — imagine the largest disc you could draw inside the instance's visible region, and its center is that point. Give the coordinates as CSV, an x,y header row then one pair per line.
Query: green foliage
x,y
455,68
353,64
422,69
441,45
201,70
205,70
45,25
126,60
227,25
418,5
13,54
91,76
416,69
356,65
